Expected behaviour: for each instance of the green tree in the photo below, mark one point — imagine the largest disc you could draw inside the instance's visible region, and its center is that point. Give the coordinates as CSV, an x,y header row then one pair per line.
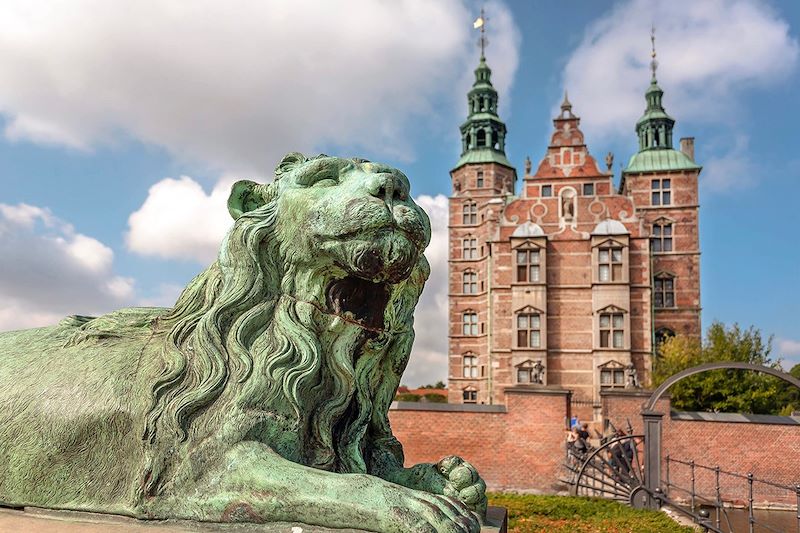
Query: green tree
x,y
732,391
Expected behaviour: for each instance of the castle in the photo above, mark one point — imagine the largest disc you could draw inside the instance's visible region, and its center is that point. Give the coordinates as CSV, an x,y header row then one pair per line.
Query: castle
x,y
565,280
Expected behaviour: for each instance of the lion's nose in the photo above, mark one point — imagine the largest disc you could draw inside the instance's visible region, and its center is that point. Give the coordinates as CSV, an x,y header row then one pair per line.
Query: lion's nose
x,y
388,188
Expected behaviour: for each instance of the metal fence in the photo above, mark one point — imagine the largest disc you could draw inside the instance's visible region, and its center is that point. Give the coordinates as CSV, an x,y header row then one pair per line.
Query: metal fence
x,y
720,493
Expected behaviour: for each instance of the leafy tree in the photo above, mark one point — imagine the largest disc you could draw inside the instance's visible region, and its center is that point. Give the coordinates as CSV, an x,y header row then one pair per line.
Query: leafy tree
x,y
438,385
739,391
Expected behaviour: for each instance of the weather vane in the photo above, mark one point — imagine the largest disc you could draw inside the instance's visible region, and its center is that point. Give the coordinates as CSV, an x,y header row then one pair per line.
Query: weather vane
x,y
480,22
653,62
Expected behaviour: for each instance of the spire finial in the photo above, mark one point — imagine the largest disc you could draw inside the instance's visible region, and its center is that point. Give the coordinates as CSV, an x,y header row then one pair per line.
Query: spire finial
x,y
480,22
653,61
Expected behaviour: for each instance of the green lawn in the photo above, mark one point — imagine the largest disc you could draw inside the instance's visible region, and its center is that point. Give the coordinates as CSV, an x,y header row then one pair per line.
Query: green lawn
x,y
529,513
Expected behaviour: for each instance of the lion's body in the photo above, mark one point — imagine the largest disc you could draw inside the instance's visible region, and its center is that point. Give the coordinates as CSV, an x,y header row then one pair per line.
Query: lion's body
x,y
263,393
71,418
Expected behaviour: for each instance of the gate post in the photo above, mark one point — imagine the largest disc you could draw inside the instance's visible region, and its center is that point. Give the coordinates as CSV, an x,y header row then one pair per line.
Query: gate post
x,y
652,454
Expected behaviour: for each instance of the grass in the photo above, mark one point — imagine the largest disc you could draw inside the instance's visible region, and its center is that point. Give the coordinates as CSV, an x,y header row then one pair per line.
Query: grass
x,y
529,513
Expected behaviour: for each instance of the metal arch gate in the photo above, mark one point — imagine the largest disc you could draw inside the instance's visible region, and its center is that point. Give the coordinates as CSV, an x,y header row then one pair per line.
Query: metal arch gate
x,y
615,471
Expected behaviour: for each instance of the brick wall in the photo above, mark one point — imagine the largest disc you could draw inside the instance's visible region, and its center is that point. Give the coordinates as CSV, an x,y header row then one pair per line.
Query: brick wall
x,y
518,446
766,446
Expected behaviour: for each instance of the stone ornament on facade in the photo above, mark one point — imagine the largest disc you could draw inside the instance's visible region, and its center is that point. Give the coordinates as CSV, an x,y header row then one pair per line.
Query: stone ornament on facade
x,y
263,394
631,377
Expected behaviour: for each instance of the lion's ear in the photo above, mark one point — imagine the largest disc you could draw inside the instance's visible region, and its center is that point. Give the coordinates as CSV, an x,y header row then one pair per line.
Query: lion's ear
x,y
245,196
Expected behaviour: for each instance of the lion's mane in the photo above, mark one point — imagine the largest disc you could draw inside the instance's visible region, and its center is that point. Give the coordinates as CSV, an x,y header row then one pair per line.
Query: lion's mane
x,y
236,336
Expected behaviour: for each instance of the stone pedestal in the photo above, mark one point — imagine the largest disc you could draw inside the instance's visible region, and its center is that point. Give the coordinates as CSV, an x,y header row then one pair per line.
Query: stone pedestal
x,y
33,520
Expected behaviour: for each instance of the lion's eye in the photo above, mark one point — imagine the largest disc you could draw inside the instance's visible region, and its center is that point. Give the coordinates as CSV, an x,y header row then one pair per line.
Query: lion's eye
x,y
318,180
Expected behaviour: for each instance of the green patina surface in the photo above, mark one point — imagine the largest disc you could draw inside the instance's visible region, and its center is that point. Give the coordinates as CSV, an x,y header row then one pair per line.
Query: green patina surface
x,y
263,394
657,160
485,155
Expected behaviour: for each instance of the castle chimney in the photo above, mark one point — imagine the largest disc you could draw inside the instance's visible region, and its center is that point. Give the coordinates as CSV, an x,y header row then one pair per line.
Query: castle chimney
x,y
687,147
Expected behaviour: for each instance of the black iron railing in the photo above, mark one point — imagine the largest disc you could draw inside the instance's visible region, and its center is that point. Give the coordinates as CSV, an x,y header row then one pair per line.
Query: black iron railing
x,y
696,498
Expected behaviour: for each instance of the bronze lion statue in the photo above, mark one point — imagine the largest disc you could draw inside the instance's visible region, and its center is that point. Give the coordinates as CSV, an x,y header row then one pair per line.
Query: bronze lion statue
x,y
262,395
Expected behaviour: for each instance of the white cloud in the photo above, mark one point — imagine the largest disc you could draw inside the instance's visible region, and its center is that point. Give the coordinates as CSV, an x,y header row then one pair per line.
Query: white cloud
x,y
730,171
428,362
236,84
707,52
50,270
178,220
789,349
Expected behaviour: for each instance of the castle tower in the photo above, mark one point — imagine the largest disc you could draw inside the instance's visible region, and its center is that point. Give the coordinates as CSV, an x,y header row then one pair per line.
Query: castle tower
x,y
663,183
481,179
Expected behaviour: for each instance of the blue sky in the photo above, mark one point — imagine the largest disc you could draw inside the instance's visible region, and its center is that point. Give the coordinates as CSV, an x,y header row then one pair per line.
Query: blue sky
x,y
123,129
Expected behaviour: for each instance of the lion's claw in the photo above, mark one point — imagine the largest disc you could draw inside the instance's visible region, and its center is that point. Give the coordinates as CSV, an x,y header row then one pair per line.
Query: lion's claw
x,y
463,483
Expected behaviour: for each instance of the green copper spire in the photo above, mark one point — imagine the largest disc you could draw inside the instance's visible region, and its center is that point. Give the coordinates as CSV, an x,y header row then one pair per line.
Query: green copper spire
x,y
654,130
483,135
655,126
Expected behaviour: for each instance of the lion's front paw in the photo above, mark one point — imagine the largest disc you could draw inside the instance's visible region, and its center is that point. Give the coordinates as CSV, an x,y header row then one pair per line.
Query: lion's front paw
x,y
463,482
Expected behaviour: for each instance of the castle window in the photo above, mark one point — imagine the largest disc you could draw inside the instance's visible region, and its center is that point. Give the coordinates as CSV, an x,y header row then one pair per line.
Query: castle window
x,y
612,330
470,213
470,282
547,190
588,189
469,248
664,291
610,264
661,191
661,239
528,266
529,330
470,366
469,323
612,377
470,396
479,180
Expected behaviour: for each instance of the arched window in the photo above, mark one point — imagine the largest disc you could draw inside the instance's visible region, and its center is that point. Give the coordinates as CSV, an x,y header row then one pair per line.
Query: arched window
x,y
529,329
470,213
661,238
528,262
469,248
469,323
663,291
470,282
481,138
469,363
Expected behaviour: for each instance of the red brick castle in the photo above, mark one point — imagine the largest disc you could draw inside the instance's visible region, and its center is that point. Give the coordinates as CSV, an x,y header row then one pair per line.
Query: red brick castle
x,y
568,281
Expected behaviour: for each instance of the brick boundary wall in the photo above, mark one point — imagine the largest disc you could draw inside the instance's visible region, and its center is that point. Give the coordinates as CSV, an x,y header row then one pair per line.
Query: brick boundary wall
x,y
520,445
767,446
517,446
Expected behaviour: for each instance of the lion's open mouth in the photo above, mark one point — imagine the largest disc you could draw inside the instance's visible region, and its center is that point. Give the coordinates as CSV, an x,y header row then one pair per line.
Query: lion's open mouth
x,y
359,300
